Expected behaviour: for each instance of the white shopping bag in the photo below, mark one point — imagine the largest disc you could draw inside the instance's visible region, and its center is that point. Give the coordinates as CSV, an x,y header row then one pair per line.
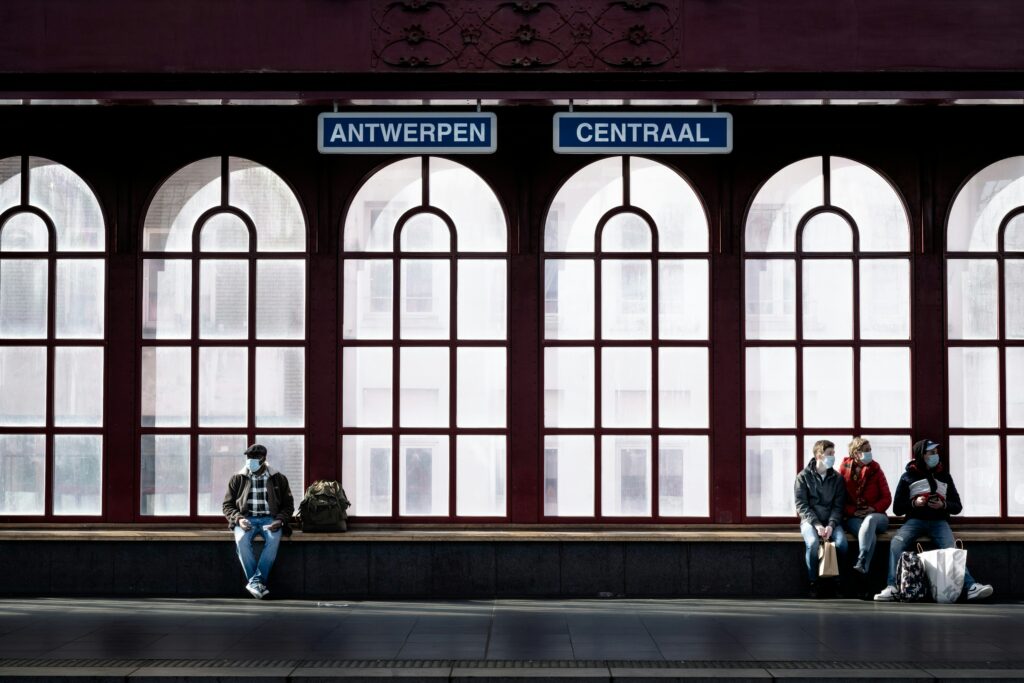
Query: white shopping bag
x,y
945,571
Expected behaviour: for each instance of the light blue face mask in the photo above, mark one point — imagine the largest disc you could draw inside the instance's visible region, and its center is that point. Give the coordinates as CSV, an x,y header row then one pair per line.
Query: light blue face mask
x,y
830,460
865,457
254,464
931,459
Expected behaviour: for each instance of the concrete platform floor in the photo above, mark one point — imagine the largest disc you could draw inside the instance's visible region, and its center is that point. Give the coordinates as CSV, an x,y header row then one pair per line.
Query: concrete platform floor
x,y
286,640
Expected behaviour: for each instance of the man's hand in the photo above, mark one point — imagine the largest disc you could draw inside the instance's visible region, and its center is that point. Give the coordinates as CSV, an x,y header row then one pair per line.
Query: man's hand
x,y
244,523
827,534
920,501
276,525
936,503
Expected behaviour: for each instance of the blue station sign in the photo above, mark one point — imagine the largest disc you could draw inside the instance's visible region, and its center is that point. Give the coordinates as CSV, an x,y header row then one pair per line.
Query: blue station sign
x,y
407,133
625,133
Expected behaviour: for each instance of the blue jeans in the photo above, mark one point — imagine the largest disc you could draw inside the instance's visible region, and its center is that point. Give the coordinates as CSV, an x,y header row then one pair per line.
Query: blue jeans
x,y
812,542
912,529
867,529
257,571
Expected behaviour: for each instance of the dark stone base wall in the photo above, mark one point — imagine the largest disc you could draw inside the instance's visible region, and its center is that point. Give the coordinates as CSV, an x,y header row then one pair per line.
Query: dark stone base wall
x,y
356,570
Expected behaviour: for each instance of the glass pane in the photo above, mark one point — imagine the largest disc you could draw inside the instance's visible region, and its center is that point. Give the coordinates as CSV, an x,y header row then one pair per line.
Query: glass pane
x,y
166,299
828,299
625,387
366,387
179,203
885,299
280,299
23,288
683,299
626,299
10,182
974,466
481,387
982,203
223,299
24,232
1014,298
22,474
1014,387
220,456
166,382
77,474
684,476
22,386
626,232
885,387
568,387
425,299
69,203
380,202
828,387
973,296
80,299
425,232
1015,476
892,453
771,387
280,387
223,387
781,203
482,307
471,203
423,399
480,476
366,474
683,394
423,476
626,476
1013,238
973,387
568,299
827,232
165,475
78,386
580,203
568,476
771,471
270,203
770,300
287,455
367,299
224,232
672,202
872,202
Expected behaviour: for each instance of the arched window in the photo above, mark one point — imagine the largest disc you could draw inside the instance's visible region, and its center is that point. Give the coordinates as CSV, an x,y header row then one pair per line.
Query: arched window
x,y
985,330
223,333
432,231
52,326
626,345
827,316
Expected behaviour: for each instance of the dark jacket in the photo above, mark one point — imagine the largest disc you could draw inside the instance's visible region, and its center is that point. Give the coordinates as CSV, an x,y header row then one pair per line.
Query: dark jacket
x,y
918,477
279,498
819,501
865,484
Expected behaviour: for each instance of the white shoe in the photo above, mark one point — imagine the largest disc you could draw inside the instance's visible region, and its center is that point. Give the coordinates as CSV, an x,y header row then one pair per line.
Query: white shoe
x,y
888,594
979,591
254,591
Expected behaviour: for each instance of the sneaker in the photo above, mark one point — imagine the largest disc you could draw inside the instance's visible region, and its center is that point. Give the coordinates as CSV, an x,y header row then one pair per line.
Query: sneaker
x,y
264,590
859,567
255,590
812,592
979,591
888,594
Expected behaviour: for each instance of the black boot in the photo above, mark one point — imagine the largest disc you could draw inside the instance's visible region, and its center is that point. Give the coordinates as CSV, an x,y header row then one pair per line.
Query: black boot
x,y
812,592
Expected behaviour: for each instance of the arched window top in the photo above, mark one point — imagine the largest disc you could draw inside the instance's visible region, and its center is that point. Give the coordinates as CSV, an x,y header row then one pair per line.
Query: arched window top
x,y
982,203
61,194
218,182
876,209
450,188
665,195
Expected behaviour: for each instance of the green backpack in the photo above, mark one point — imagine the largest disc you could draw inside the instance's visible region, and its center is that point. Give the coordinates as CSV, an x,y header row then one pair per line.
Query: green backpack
x,y
323,507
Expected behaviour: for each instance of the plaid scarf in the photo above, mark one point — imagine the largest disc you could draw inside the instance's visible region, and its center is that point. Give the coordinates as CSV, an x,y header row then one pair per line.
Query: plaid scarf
x,y
858,473
258,505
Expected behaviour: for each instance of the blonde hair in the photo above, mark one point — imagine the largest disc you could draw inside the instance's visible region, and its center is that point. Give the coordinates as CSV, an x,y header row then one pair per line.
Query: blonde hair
x,y
822,446
859,445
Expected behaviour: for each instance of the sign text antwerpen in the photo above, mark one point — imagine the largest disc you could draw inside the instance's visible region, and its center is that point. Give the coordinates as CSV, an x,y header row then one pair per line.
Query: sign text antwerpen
x,y
407,133
625,133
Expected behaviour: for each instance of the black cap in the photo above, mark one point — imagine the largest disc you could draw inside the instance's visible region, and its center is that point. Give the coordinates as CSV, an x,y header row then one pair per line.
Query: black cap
x,y
256,451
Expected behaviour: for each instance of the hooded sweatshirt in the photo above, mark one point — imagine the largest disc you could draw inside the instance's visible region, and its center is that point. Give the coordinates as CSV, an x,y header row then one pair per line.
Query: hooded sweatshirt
x,y
819,500
919,479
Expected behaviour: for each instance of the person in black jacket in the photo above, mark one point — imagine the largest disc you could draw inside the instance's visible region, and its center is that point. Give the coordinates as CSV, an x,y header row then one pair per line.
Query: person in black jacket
x,y
927,496
820,492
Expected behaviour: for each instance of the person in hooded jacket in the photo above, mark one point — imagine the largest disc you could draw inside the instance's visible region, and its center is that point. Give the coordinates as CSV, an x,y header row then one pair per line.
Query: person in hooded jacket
x,y
927,495
819,493
867,499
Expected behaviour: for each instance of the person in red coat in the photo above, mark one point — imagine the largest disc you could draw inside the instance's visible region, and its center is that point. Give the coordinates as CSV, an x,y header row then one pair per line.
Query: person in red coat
x,y
867,499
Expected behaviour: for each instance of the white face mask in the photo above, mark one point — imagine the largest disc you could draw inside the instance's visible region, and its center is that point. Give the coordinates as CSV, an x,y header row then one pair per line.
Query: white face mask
x,y
865,457
254,464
